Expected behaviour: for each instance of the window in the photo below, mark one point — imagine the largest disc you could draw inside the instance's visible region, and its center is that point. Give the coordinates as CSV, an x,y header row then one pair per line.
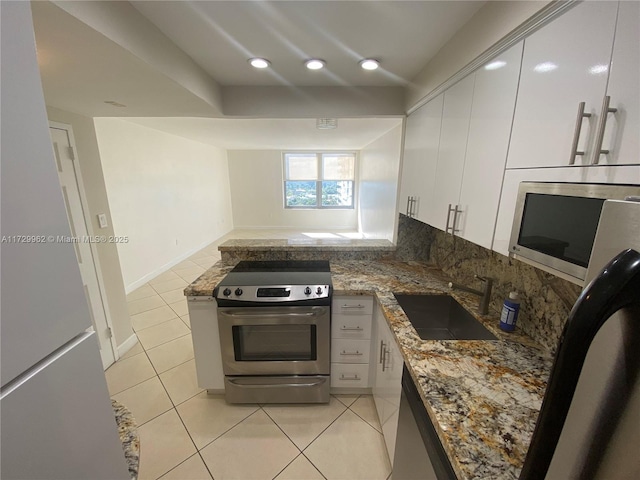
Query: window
x,y
319,180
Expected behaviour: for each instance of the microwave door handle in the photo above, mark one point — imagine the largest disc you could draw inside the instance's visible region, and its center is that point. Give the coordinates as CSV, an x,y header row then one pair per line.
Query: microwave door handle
x,y
615,288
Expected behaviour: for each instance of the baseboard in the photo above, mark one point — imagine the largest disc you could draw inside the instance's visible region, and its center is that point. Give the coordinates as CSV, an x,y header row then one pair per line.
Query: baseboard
x,y
150,276
127,345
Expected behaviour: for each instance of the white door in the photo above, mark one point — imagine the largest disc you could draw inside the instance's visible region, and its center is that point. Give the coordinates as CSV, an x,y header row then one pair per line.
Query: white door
x,y
71,184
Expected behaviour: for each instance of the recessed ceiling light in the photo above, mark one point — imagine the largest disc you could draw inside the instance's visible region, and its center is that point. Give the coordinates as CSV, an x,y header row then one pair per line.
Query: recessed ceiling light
x,y
314,64
369,64
259,62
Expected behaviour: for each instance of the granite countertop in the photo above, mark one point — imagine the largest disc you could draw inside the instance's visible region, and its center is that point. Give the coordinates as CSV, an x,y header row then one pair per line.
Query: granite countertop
x,y
315,244
482,396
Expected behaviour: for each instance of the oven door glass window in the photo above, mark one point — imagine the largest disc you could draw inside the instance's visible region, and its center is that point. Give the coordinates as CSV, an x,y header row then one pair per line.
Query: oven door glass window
x,y
277,343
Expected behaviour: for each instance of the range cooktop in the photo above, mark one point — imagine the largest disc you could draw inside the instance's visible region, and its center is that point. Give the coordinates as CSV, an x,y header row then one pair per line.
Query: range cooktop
x,y
273,281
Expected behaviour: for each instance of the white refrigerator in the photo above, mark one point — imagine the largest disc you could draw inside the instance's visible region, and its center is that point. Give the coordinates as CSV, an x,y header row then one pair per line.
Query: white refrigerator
x,y
56,417
600,439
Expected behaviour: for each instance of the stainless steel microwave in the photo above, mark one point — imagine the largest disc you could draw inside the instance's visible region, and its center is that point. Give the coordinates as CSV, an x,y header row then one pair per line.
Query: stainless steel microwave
x,y
555,223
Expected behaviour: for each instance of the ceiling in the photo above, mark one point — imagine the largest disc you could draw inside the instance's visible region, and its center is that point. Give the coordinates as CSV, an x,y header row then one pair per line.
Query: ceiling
x,y
83,67
222,35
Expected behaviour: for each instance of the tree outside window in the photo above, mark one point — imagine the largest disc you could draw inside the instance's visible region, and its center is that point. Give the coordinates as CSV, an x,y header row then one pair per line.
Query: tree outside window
x,y
319,180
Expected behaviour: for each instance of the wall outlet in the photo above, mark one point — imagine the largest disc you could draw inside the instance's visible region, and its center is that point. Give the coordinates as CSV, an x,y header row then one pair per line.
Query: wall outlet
x,y
102,220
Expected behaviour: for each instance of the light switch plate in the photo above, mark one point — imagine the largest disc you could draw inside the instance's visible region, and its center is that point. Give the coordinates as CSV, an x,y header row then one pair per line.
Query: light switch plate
x,y
102,220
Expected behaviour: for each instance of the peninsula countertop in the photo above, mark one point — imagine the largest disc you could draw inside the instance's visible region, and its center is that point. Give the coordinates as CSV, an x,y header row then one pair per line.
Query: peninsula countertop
x,y
483,396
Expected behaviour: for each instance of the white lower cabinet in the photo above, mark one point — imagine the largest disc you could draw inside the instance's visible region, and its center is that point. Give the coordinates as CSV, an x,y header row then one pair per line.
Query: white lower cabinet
x,y
351,321
387,384
206,342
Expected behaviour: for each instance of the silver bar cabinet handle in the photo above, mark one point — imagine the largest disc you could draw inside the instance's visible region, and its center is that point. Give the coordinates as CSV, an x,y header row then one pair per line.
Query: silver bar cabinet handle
x,y
381,351
355,377
456,211
446,229
602,125
346,307
576,133
408,209
351,329
384,360
356,353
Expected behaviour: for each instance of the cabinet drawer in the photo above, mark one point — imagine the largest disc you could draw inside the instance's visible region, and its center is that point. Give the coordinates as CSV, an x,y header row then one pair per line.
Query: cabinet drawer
x,y
351,326
350,375
350,351
356,305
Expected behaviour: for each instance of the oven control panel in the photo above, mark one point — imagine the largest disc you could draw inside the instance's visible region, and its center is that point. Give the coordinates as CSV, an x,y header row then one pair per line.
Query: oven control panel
x,y
272,293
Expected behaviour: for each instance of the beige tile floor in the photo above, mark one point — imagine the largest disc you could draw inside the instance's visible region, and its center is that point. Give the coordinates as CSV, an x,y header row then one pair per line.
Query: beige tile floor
x,y
186,434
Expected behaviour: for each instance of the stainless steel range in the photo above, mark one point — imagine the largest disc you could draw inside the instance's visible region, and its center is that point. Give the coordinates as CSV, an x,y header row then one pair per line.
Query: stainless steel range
x,y
274,319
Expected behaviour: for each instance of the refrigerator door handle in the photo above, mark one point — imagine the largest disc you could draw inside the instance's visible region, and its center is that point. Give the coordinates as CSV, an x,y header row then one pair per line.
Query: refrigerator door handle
x,y
615,288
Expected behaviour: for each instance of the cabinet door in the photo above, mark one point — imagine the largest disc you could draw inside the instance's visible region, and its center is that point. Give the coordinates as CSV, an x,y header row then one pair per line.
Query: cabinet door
x,y
392,392
387,386
451,153
494,99
203,316
512,179
565,62
422,137
379,344
622,134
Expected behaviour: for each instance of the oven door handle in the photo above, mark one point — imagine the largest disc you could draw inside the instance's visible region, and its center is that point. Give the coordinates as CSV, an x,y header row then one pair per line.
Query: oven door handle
x,y
239,383
269,315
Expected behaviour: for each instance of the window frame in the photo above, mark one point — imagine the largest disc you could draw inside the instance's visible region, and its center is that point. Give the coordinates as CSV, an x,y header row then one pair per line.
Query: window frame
x,y
320,178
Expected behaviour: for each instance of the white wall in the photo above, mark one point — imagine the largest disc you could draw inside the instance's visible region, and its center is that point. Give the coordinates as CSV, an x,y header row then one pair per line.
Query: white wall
x,y
258,198
379,170
169,195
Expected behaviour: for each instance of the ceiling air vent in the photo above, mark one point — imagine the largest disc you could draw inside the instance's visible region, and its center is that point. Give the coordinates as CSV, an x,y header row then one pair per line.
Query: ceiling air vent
x,y
326,123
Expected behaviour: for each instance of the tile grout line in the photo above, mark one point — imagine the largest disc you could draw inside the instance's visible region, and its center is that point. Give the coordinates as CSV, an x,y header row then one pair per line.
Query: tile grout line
x,y
223,433
314,466
164,343
151,326
365,420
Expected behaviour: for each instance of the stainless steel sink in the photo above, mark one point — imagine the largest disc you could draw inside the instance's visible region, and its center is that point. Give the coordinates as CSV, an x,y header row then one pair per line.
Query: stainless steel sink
x,y
441,317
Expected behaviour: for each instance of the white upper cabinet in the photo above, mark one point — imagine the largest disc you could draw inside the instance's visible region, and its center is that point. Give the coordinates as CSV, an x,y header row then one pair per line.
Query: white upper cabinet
x,y
622,128
451,154
494,99
564,63
421,141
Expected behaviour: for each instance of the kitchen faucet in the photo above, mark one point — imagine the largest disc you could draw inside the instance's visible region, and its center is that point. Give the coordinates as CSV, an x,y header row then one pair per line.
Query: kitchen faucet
x,y
485,293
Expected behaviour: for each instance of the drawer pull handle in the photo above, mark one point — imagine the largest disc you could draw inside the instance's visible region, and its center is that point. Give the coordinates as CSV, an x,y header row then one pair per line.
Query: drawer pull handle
x,y
355,377
344,352
381,351
344,328
352,306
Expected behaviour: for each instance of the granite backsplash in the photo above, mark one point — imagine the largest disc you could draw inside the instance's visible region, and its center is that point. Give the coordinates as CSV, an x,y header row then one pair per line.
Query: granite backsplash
x,y
546,300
